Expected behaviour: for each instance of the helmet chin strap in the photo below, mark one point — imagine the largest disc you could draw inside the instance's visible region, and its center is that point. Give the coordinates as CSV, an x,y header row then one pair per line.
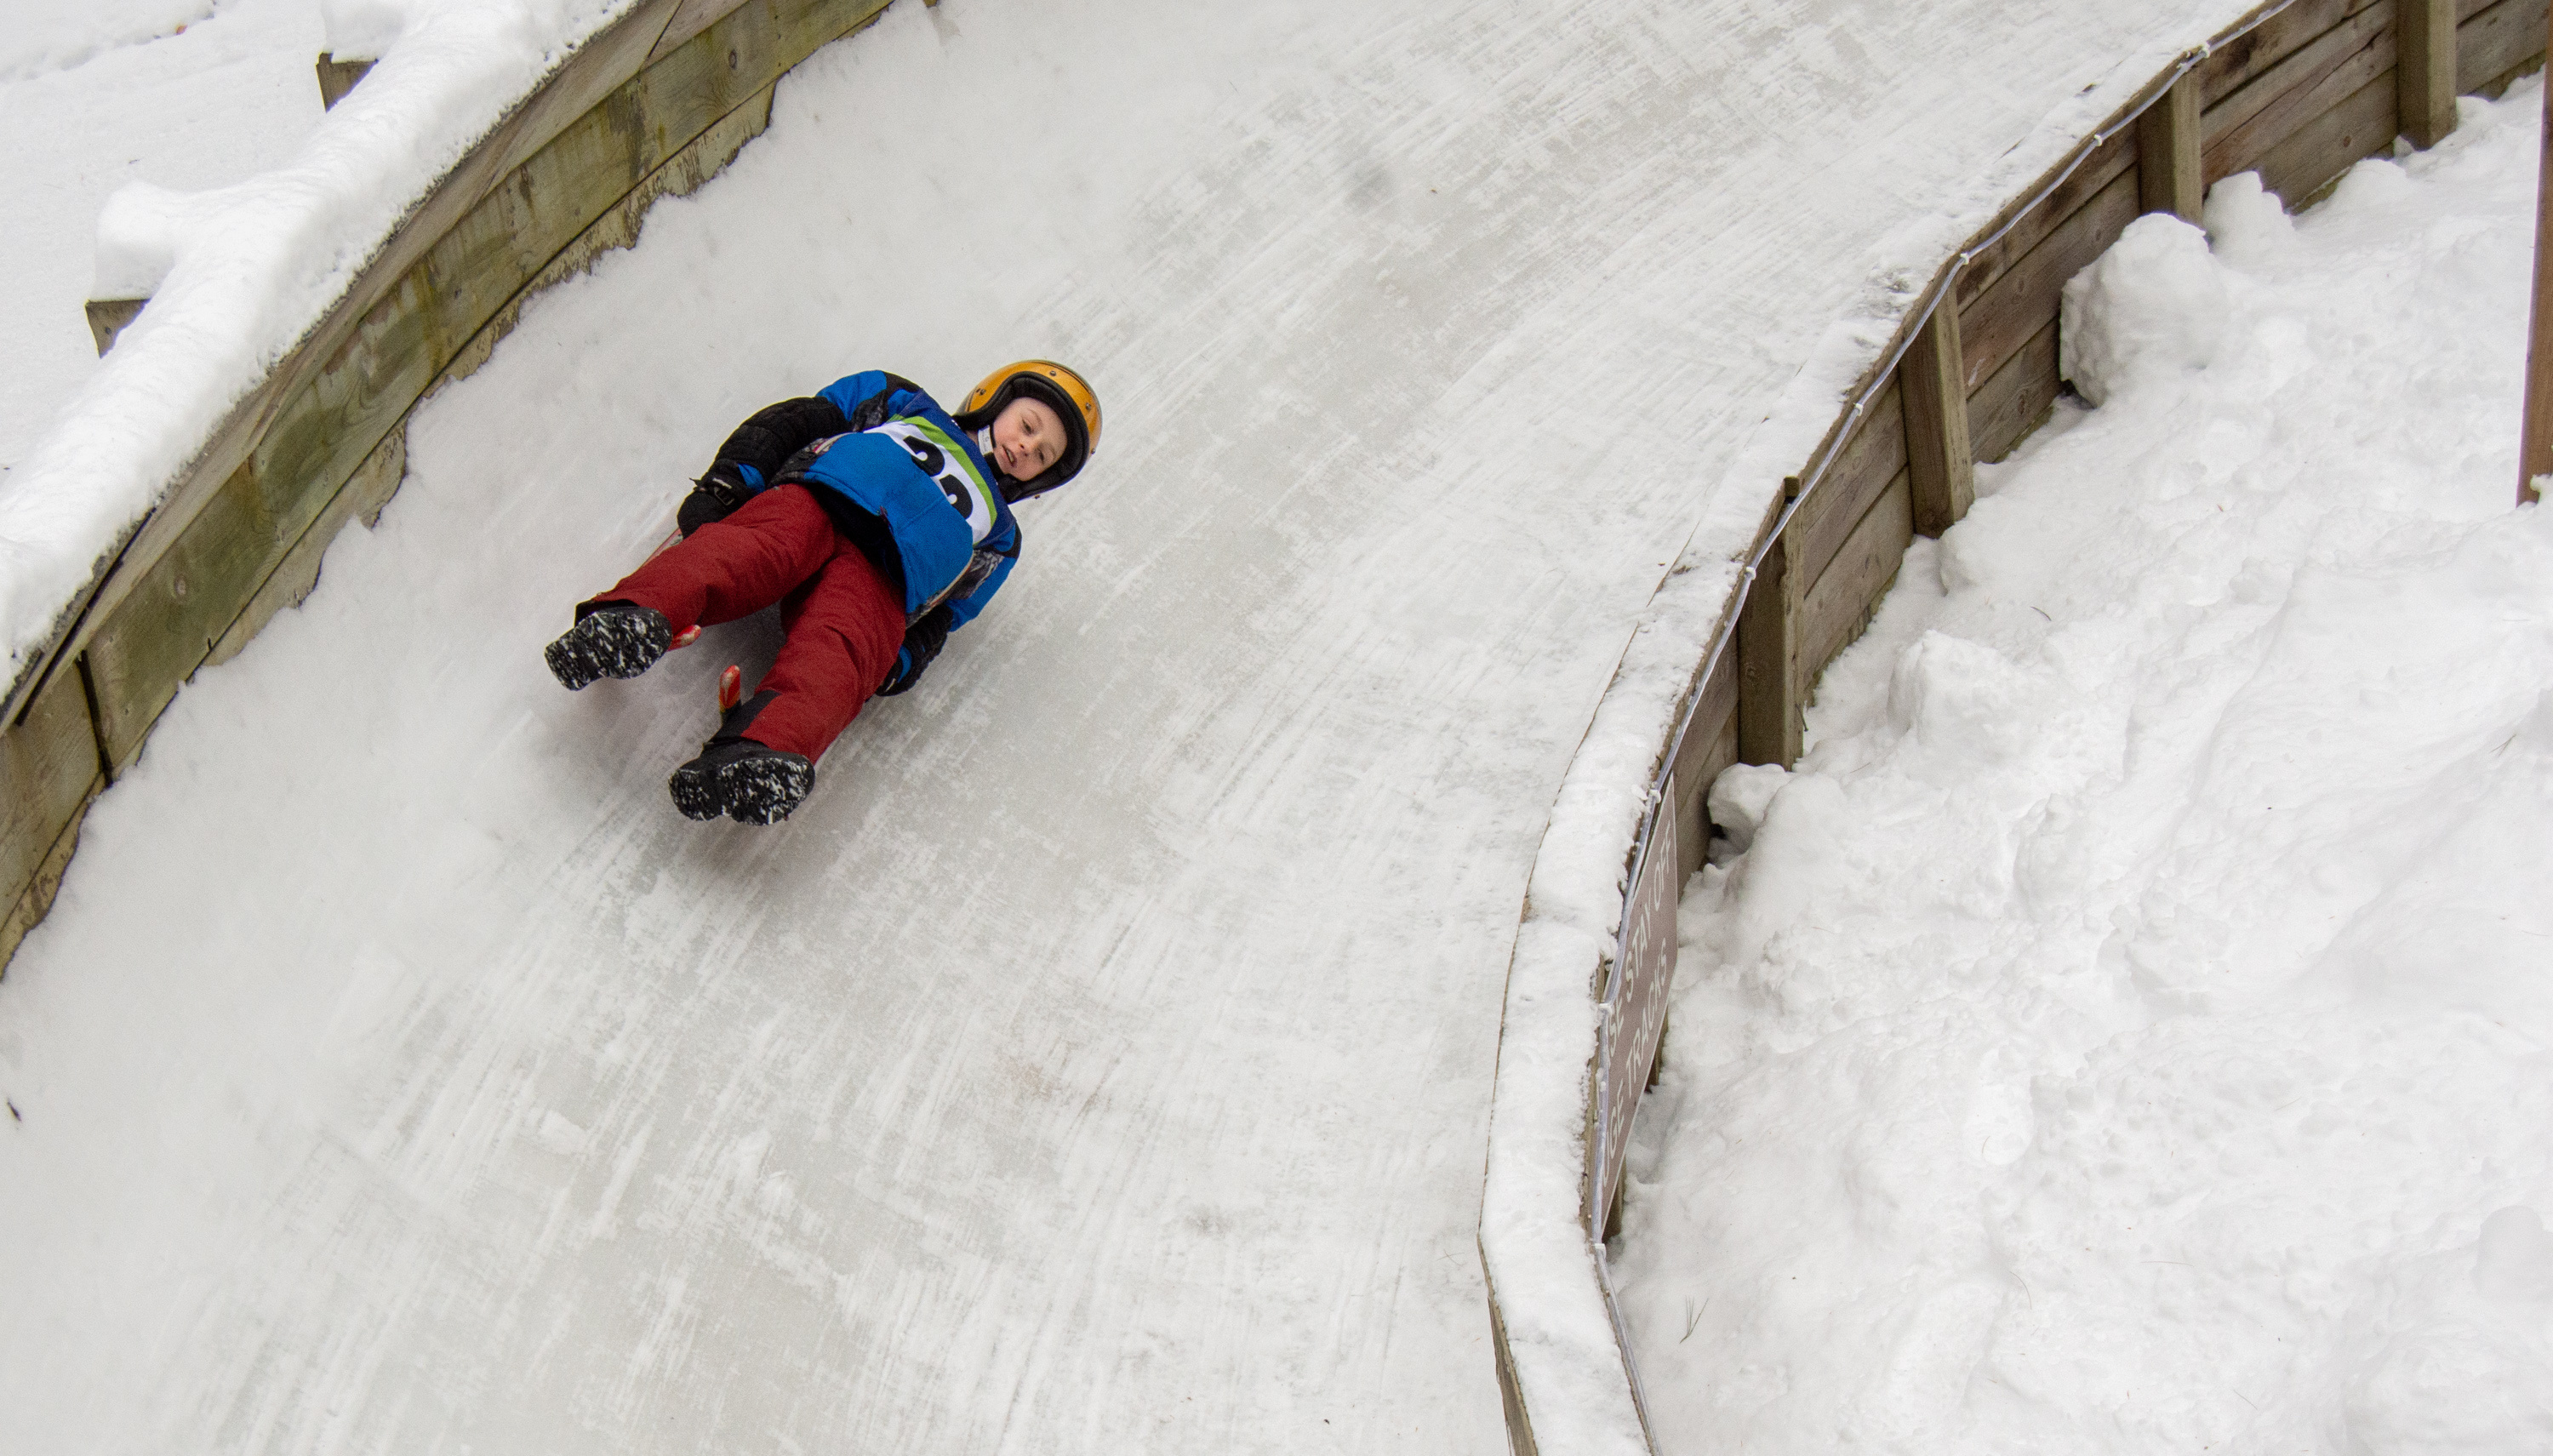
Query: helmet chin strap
x,y
1013,491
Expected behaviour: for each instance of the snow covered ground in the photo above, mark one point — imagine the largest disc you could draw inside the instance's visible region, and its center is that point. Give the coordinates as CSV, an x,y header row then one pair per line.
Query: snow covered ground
x,y
1099,1060
2127,1028
185,94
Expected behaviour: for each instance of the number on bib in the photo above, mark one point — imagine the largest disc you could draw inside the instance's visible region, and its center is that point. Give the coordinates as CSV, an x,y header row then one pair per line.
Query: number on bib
x,y
927,455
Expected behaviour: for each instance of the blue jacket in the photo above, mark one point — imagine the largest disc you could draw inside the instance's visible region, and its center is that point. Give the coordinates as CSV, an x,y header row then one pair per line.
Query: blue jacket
x,y
955,537
900,478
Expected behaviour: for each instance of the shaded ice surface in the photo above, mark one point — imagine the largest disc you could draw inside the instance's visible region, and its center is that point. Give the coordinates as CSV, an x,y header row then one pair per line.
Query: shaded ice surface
x,y
2127,1028
1100,1060
96,95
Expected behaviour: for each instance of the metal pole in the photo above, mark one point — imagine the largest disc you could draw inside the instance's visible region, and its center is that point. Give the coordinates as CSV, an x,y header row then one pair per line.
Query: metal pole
x,y
2535,443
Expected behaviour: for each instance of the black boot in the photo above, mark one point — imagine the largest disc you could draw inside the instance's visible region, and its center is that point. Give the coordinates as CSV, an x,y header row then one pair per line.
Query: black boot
x,y
748,782
611,639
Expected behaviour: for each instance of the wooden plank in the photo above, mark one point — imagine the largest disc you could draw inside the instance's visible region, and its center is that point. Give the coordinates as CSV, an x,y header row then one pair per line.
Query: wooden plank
x,y
2468,9
488,257
36,900
49,765
1510,1394
1712,750
2018,398
2497,44
806,26
110,317
2110,161
704,157
2424,68
1768,699
1872,457
610,61
1719,703
1940,459
2167,175
337,77
322,433
2238,62
2535,416
1835,610
1709,746
689,88
2300,90
177,606
2301,167
696,16
1635,1025
361,498
2025,299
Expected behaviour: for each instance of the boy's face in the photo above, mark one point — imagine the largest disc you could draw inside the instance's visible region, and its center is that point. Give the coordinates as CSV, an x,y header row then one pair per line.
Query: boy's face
x,y
1026,439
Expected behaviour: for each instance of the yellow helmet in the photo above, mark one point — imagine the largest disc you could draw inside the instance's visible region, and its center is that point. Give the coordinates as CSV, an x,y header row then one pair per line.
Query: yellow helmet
x,y
1068,394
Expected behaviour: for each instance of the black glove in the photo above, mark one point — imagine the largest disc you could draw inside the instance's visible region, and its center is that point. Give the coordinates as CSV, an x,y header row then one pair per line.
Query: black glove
x,y
714,497
922,642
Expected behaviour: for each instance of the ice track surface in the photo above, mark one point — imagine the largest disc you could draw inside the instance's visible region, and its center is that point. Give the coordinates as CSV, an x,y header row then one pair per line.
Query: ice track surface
x,y
1100,1061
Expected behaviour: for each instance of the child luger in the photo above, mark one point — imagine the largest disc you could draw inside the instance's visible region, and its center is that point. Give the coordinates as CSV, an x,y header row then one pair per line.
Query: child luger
x,y
878,521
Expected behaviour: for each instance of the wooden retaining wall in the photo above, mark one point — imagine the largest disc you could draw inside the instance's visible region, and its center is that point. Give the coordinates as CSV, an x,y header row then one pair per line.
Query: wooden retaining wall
x,y
654,104
2299,91
2300,99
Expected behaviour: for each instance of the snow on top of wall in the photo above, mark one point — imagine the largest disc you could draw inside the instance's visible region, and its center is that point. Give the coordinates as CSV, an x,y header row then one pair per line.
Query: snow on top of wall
x,y
238,275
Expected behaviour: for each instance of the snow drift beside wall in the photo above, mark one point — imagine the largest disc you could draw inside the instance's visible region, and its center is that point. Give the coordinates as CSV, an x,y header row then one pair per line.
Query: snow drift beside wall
x,y
2126,1029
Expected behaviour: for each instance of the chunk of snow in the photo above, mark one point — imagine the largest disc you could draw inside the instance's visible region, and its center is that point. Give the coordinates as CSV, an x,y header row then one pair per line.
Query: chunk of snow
x,y
139,231
2513,1259
2247,225
1739,798
2153,306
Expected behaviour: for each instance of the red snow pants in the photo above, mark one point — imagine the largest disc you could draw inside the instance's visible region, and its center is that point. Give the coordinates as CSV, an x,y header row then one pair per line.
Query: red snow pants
x,y
844,627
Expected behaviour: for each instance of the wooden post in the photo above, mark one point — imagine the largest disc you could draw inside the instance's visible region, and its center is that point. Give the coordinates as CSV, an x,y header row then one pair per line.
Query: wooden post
x,y
337,77
2167,175
1510,1393
2424,68
2536,441
1768,657
107,318
1939,459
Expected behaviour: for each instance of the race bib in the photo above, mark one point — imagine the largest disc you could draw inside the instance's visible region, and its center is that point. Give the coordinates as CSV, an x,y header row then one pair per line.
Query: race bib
x,y
950,468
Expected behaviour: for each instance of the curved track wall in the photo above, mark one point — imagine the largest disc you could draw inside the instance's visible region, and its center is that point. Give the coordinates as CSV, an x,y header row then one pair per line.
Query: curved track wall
x,y
2297,90
654,104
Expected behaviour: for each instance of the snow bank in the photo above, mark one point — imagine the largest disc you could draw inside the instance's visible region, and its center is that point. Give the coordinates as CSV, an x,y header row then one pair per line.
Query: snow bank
x,y
238,275
2127,1029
